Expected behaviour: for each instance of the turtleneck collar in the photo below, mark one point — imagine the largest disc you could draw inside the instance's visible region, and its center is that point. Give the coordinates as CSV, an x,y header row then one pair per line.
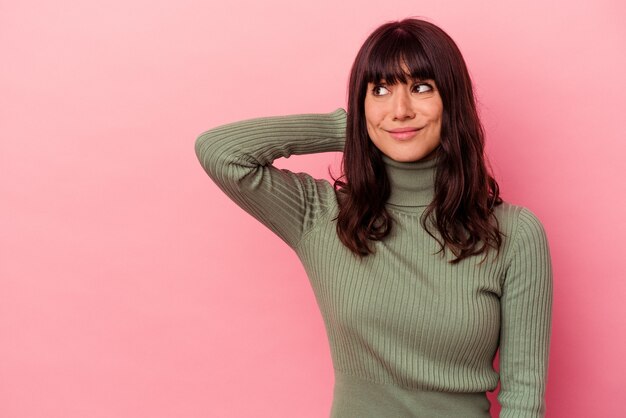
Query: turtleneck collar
x,y
412,183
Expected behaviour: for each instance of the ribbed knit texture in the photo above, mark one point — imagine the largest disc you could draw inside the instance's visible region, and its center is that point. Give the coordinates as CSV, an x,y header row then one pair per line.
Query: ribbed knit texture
x,y
411,335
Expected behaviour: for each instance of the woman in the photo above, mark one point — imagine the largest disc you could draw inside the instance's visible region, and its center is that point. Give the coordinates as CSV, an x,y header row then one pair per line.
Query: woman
x,y
420,270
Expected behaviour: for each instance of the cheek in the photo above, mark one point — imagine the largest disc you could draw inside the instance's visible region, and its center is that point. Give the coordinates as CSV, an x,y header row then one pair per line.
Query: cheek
x,y
370,123
438,111
434,112
368,114
372,113
371,131
435,117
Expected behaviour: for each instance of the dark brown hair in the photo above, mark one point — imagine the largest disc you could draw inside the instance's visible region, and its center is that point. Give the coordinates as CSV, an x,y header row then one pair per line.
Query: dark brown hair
x,y
465,191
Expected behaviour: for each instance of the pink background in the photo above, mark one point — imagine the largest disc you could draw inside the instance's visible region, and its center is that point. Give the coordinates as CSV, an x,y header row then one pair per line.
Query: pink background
x,y
131,287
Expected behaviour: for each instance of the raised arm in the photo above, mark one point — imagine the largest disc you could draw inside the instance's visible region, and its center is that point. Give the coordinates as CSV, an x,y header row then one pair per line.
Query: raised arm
x,y
526,308
238,157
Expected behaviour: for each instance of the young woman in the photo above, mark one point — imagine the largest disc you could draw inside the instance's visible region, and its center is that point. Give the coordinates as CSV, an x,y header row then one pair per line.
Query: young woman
x,y
420,270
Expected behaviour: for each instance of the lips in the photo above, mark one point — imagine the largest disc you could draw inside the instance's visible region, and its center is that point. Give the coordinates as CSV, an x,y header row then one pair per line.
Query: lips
x,y
403,133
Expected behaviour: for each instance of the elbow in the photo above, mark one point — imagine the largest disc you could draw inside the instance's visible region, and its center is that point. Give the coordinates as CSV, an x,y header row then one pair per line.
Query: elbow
x,y
201,144
219,157
207,151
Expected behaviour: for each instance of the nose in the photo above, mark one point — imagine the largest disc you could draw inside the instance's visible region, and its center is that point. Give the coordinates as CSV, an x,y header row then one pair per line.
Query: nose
x,y
402,106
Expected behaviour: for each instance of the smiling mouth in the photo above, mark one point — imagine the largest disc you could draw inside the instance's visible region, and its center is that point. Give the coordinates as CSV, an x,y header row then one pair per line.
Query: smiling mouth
x,y
403,133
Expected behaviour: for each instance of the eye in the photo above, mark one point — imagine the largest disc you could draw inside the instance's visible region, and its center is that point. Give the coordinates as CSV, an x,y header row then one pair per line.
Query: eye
x,y
422,88
379,90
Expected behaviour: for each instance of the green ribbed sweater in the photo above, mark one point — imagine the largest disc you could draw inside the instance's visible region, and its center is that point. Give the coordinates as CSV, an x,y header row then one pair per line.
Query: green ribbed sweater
x,y
411,335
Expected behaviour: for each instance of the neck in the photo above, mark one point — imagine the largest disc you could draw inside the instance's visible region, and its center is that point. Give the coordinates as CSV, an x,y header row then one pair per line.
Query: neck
x,y
412,183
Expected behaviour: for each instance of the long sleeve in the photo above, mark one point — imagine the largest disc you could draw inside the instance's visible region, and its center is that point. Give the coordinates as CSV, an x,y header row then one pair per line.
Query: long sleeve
x,y
526,310
238,157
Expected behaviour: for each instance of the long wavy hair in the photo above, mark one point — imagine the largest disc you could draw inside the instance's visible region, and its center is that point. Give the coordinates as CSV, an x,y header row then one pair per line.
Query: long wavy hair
x,y
460,217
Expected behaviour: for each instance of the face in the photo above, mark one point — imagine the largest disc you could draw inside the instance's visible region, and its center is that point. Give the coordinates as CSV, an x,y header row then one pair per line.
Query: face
x,y
404,120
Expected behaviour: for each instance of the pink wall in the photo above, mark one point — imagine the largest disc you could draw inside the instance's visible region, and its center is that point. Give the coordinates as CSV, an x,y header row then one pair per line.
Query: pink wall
x,y
131,287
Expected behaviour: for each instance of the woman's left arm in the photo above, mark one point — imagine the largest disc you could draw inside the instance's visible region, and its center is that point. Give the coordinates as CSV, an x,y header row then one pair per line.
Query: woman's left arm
x,y
526,314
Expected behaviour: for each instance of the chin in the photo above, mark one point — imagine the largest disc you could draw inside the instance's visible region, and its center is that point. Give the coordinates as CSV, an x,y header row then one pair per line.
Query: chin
x,y
404,158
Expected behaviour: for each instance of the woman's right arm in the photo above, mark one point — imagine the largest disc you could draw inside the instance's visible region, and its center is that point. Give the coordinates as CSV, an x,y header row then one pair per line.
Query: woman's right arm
x,y
238,157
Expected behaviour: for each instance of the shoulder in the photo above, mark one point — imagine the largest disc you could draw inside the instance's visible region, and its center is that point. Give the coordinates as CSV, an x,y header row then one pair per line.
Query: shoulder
x,y
523,230
513,217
